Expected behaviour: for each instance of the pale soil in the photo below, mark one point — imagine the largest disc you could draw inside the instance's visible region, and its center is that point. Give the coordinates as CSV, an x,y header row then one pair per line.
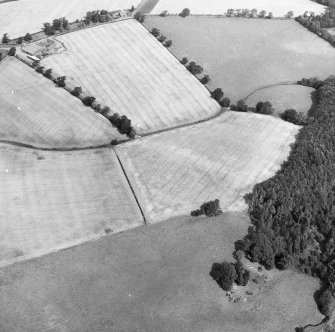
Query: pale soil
x,y
51,200
134,75
149,279
34,111
284,97
19,17
173,173
278,8
242,55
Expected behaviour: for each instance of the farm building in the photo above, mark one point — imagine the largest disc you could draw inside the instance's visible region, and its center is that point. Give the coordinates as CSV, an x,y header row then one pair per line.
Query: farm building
x,y
43,47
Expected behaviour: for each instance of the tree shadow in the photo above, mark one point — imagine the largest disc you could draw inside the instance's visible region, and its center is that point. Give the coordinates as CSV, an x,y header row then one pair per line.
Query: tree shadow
x,y
315,102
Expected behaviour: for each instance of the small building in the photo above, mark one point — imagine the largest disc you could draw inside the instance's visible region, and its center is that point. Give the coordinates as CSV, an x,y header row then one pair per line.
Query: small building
x,y
33,49
43,48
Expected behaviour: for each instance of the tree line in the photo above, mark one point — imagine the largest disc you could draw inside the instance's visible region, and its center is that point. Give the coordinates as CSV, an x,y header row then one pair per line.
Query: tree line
x,y
161,38
58,24
319,24
121,122
195,70
293,213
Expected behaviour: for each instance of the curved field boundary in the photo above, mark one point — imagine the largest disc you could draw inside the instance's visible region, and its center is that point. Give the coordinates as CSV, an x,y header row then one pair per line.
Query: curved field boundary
x,y
269,86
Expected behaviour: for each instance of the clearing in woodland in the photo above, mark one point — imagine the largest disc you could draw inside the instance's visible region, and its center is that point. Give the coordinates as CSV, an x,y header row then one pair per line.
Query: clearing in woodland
x,y
150,279
35,112
211,7
19,17
242,55
50,200
284,97
174,173
126,68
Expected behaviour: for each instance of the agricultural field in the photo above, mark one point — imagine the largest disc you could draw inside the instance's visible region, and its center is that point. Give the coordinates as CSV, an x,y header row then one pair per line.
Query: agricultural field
x,y
208,7
20,17
134,75
284,97
34,112
150,279
174,173
243,55
50,200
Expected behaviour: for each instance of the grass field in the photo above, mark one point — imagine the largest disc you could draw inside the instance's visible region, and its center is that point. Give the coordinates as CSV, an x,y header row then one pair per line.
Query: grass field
x,y
20,17
175,172
149,279
34,112
279,8
284,97
55,199
242,55
134,75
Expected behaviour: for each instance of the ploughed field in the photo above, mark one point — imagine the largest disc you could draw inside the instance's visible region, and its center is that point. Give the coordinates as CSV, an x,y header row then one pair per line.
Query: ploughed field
x,y
208,7
19,17
175,172
283,97
242,55
35,112
124,67
50,200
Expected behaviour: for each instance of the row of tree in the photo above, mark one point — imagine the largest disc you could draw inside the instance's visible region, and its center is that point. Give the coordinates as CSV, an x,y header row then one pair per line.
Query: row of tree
x,y
97,16
122,123
253,13
161,38
319,24
196,69
261,107
58,24
293,213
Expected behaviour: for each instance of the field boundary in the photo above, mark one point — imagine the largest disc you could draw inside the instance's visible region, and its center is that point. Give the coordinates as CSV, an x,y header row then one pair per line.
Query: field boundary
x,y
145,217
270,86
63,247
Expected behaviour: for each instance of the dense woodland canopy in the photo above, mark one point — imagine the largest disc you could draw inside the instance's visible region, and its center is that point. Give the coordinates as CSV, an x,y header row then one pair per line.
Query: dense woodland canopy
x,y
293,213
320,23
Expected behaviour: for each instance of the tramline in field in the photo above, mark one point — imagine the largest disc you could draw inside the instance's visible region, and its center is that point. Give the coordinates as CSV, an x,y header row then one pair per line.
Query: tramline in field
x,y
35,112
19,17
126,68
175,172
52,200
